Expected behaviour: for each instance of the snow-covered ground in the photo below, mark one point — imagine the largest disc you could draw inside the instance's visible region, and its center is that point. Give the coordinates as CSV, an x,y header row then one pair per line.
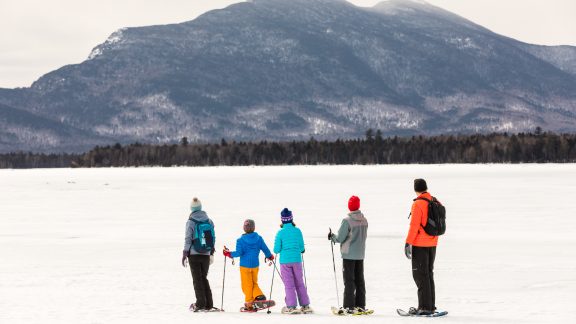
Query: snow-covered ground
x,y
104,245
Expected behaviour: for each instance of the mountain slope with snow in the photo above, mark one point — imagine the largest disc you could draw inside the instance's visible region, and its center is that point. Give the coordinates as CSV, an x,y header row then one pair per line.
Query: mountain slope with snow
x,y
275,69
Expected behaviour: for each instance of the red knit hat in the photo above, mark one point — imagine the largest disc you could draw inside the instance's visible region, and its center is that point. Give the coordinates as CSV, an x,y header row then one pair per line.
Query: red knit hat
x,y
354,203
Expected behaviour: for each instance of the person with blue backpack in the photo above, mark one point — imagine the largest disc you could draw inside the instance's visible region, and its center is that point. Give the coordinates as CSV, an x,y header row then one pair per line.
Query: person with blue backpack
x,y
199,251
289,243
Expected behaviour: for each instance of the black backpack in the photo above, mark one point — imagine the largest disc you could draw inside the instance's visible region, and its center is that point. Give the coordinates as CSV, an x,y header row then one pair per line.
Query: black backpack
x,y
436,224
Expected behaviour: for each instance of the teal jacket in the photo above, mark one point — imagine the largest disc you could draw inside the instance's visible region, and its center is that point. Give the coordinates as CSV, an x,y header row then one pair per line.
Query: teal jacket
x,y
289,243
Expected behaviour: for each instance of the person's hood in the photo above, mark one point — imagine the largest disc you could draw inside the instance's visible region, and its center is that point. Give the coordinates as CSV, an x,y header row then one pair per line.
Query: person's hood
x,y
199,216
425,195
356,215
251,239
288,225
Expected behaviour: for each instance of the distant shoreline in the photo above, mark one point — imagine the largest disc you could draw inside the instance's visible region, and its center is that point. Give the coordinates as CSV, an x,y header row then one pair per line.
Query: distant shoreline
x,y
537,147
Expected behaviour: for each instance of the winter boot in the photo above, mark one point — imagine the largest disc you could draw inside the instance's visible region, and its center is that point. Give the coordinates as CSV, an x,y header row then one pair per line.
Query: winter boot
x,y
260,297
418,311
346,311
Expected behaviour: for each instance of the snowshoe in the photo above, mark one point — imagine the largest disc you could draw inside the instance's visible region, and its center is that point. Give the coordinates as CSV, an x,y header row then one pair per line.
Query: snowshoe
x,y
246,309
414,312
306,310
343,311
363,311
263,304
290,310
257,305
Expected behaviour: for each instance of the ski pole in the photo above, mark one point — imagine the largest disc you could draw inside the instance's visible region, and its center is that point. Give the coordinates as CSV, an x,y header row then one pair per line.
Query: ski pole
x,y
223,280
272,284
334,265
304,269
275,268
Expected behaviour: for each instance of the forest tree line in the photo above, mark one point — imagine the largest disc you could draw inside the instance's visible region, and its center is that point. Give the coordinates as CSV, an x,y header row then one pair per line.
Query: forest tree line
x,y
537,147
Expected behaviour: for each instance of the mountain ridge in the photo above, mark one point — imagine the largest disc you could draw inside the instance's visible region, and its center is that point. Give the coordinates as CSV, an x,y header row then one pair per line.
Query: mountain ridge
x,y
271,69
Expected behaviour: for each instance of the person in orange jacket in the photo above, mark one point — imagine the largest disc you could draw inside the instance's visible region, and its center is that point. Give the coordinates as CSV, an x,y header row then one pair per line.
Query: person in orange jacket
x,y
421,248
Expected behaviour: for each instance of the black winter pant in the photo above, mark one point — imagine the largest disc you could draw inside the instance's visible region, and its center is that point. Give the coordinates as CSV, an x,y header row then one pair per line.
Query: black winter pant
x,y
199,265
423,273
354,287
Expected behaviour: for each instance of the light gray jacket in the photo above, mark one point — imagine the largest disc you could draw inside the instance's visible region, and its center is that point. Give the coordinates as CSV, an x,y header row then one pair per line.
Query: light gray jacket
x,y
200,216
352,236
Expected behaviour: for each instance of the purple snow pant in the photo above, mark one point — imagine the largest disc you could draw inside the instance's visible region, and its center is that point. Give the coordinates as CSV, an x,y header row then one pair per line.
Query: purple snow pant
x,y
294,284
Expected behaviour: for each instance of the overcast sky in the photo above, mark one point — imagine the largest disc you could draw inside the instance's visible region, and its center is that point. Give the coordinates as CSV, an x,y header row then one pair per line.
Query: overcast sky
x,y
38,36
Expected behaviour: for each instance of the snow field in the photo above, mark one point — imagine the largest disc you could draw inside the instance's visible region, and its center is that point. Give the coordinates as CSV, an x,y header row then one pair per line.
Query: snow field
x,y
104,245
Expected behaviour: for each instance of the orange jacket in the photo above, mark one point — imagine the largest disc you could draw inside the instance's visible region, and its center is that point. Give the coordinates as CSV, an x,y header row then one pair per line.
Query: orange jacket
x,y
416,234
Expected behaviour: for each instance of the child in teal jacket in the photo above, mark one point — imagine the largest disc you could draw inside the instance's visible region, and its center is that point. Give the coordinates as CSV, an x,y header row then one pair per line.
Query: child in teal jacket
x,y
289,243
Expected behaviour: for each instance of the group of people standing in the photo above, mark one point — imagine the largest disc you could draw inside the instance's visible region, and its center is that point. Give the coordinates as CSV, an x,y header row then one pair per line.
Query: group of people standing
x,y
420,247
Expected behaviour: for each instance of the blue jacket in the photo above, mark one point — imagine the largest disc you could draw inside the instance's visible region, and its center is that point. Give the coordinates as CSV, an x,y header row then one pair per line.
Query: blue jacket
x,y
289,243
248,248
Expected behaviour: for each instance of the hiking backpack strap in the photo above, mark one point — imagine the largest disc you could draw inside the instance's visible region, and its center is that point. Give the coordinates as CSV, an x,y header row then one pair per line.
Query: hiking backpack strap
x,y
425,199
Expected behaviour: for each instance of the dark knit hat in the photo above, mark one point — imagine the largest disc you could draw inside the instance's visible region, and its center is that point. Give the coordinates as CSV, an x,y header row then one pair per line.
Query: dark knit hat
x,y
286,216
249,226
420,185
353,203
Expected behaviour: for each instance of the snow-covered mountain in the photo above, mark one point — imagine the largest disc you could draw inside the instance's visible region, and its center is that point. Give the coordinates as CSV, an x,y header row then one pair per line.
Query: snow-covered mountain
x,y
277,69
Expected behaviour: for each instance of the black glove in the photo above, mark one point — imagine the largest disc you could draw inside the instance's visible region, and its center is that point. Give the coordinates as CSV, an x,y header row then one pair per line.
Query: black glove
x,y
408,250
184,258
330,234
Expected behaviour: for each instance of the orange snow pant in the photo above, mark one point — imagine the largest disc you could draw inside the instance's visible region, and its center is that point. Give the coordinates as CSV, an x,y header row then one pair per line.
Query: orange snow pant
x,y
249,278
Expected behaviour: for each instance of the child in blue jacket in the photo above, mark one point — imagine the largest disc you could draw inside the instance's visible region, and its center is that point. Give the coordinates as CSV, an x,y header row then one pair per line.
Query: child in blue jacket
x,y
248,248
289,243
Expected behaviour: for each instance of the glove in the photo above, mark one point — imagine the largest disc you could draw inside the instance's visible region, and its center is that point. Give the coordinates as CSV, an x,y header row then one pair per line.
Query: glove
x,y
271,257
408,250
227,253
330,235
211,259
184,258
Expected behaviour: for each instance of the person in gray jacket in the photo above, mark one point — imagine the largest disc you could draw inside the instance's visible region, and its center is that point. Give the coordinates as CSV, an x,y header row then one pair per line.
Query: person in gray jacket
x,y
352,238
199,251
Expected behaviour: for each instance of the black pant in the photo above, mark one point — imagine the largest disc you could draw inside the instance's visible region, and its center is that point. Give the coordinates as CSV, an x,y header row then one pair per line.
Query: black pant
x,y
354,288
199,265
423,273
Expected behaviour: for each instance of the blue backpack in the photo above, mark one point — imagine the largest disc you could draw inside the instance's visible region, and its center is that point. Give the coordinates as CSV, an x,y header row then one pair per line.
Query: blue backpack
x,y
204,237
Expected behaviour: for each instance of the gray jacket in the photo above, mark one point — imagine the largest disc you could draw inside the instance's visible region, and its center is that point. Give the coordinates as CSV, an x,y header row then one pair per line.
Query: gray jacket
x,y
200,216
352,236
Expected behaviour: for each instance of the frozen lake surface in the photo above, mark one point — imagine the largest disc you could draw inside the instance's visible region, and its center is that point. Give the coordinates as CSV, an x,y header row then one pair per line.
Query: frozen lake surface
x,y
104,245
